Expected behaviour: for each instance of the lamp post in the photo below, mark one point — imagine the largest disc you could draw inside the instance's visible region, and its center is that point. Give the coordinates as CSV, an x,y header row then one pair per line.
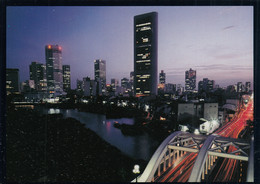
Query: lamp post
x,y
136,171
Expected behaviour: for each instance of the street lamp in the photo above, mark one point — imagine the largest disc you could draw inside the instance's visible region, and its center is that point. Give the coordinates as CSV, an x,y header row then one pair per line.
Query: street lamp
x,y
136,171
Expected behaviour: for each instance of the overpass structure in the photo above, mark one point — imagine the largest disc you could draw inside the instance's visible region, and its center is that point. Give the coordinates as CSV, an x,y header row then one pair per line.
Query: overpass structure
x,y
208,149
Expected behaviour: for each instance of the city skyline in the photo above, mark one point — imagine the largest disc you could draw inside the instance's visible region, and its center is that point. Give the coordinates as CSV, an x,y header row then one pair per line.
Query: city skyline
x,y
218,46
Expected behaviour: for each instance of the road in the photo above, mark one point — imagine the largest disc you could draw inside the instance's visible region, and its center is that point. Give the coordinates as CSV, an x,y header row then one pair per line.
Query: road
x,y
227,171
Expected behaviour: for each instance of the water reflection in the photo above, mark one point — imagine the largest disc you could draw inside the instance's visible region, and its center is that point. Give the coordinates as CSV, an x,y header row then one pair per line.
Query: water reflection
x,y
139,146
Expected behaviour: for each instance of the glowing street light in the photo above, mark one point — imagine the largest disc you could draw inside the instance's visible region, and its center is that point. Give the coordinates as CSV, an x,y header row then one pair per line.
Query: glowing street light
x,y
136,171
196,131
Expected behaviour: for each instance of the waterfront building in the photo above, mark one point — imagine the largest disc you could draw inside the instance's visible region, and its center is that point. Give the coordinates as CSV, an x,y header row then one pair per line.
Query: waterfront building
x,y
53,55
100,74
190,80
12,80
38,74
145,54
66,77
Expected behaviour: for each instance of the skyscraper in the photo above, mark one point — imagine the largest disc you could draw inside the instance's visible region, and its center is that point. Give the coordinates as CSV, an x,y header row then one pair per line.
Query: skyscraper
x,y
114,84
100,74
190,80
145,54
162,77
54,70
125,83
66,77
38,74
12,80
206,85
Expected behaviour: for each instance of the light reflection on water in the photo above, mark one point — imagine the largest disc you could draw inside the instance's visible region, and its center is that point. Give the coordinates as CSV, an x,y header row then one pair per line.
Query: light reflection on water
x,y
138,146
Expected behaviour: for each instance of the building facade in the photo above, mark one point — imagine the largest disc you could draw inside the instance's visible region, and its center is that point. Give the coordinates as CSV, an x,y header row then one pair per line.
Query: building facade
x,y
190,80
38,74
208,111
12,80
248,86
79,86
206,85
145,54
66,77
100,74
162,77
54,77
89,87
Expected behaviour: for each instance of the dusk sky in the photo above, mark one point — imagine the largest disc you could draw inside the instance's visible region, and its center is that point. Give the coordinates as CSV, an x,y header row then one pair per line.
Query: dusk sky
x,y
216,41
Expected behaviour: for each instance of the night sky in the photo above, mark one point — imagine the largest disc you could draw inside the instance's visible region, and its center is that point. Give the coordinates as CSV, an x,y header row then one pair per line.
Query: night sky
x,y
215,41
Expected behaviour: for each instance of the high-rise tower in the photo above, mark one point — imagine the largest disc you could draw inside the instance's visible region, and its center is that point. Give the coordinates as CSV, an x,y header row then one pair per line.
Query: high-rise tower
x,y
12,80
162,77
100,74
145,54
190,80
54,70
66,77
38,74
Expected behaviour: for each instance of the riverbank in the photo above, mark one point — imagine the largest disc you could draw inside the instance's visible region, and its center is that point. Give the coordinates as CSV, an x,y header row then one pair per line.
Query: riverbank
x,y
53,149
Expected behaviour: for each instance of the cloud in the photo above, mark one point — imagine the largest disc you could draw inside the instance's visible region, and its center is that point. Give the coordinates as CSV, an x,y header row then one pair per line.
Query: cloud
x,y
228,27
224,67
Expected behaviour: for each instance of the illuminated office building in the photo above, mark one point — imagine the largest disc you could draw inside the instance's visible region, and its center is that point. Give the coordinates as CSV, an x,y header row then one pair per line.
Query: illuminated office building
x,y
66,77
12,80
38,75
100,74
162,77
54,70
190,80
145,54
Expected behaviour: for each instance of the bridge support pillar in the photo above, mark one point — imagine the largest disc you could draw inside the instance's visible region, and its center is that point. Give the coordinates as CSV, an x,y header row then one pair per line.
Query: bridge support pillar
x,y
211,159
169,161
206,170
209,162
177,154
173,158
164,163
203,173
159,170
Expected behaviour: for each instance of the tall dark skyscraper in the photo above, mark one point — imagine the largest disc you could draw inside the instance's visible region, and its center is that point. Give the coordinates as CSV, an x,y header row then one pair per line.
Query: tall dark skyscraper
x,y
162,77
100,74
66,77
190,80
145,54
12,80
54,70
38,74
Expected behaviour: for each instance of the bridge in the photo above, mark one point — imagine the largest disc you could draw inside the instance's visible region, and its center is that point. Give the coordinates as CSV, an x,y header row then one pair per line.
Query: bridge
x,y
177,147
186,157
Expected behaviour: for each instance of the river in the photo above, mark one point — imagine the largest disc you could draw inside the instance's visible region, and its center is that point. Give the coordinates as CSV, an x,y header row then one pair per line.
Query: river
x,y
138,146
